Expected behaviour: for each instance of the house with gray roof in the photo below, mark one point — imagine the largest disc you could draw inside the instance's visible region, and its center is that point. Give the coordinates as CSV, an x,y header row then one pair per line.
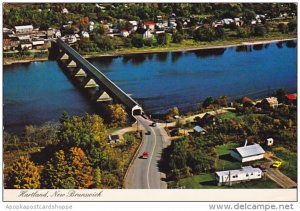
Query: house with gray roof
x,y
248,153
246,173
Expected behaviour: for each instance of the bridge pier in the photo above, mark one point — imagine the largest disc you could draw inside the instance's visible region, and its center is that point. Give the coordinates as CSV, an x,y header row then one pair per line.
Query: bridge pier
x,y
71,63
79,72
64,56
101,96
89,83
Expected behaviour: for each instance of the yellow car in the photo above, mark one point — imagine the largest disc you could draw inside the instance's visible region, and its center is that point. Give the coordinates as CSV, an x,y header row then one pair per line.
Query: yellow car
x,y
276,164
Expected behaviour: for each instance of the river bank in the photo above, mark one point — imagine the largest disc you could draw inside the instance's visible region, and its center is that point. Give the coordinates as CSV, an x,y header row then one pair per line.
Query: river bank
x,y
172,48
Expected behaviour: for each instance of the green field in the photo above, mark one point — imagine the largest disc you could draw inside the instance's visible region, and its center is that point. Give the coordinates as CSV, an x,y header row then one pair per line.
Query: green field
x,y
207,181
289,162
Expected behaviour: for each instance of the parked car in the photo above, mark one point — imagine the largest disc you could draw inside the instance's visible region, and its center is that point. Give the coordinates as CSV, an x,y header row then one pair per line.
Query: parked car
x,y
276,164
153,124
145,155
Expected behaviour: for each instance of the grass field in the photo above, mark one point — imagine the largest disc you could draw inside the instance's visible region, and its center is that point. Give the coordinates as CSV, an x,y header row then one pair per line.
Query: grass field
x,y
289,162
225,161
234,116
207,181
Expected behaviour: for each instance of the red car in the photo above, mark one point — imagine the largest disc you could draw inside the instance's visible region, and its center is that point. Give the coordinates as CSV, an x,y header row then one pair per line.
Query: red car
x,y
145,155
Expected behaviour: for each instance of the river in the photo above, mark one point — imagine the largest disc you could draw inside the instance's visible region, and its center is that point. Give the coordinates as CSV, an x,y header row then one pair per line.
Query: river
x,y
39,91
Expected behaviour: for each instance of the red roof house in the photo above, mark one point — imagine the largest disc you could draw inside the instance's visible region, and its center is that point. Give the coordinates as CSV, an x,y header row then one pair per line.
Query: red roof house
x,y
292,96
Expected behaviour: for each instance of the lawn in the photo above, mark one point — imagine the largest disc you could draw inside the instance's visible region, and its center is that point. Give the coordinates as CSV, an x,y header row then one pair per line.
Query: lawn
x,y
225,161
289,162
234,116
207,181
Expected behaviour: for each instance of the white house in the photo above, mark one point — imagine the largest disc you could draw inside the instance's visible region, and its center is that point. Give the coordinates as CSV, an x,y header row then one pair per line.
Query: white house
x,y
23,29
65,11
27,46
246,173
85,34
70,38
147,34
198,129
58,33
248,153
91,25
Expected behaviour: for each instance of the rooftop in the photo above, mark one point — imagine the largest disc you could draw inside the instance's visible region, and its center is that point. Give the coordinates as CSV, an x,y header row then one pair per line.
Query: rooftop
x,y
250,150
245,169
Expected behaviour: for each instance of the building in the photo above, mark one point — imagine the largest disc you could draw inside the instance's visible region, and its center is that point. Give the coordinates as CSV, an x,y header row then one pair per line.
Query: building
x,y
124,33
247,102
112,139
57,33
65,11
25,46
246,173
149,25
248,153
85,34
208,119
291,98
270,141
270,102
199,130
23,29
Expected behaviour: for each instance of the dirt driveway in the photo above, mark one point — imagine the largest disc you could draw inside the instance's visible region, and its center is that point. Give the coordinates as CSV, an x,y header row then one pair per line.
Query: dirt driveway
x,y
280,178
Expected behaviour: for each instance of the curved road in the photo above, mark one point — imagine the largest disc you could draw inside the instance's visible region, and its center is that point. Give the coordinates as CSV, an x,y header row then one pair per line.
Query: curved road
x,y
144,173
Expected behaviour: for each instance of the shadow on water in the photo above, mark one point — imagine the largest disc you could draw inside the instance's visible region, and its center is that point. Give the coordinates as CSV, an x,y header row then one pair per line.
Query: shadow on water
x,y
150,56
258,47
162,57
204,53
136,59
175,56
105,61
291,44
243,48
279,44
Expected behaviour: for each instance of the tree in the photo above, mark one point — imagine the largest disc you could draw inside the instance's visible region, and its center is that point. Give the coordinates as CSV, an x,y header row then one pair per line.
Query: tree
x,y
292,25
117,115
283,28
87,132
243,32
281,95
161,39
137,41
81,169
173,112
57,173
205,34
260,30
177,38
207,102
97,178
23,175
68,171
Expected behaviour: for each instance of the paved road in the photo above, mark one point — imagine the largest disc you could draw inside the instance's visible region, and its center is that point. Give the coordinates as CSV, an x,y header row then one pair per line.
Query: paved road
x,y
144,173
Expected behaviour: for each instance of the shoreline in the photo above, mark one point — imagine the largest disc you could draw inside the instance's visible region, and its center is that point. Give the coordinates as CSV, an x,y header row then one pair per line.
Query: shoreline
x,y
162,50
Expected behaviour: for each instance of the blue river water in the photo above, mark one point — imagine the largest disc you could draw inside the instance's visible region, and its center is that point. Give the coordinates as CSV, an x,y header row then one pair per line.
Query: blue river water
x,y
39,91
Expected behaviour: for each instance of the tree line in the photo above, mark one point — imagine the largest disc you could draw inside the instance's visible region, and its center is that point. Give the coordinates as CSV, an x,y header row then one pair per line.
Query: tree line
x,y
73,153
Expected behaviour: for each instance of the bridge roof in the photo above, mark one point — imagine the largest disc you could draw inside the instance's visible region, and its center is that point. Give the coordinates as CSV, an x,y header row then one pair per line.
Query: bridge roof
x,y
105,83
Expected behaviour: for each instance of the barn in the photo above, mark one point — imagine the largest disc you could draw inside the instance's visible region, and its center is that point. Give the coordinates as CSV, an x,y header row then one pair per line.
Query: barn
x,y
248,153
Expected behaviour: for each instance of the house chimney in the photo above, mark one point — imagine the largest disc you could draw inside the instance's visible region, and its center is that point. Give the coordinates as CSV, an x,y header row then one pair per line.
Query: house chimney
x,y
246,143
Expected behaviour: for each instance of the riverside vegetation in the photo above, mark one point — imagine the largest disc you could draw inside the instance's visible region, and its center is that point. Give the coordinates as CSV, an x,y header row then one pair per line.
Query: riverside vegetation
x,y
180,38
73,153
